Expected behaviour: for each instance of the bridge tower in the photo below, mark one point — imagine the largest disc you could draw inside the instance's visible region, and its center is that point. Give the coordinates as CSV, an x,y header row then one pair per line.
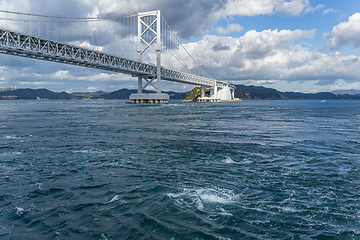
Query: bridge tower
x,y
149,33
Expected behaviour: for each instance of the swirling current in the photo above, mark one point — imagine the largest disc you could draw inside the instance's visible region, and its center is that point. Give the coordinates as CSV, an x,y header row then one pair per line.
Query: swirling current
x,y
244,170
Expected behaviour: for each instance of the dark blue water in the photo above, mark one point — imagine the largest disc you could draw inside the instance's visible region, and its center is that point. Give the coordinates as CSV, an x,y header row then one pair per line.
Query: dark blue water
x,y
246,170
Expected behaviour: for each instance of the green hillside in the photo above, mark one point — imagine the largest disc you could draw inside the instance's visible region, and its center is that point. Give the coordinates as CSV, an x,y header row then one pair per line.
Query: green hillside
x,y
195,93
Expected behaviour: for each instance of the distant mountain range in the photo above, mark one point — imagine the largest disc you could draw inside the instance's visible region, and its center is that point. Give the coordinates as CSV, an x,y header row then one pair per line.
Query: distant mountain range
x,y
33,94
242,92
262,93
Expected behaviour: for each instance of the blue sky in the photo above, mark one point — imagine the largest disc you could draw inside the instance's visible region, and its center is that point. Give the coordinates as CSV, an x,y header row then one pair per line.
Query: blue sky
x,y
290,45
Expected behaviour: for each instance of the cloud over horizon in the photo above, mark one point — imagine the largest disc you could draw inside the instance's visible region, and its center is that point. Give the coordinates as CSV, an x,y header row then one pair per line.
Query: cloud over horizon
x,y
273,54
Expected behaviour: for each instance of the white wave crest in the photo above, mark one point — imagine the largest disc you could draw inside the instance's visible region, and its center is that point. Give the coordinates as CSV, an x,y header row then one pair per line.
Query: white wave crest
x,y
103,237
10,153
114,199
229,160
204,197
19,211
9,137
92,151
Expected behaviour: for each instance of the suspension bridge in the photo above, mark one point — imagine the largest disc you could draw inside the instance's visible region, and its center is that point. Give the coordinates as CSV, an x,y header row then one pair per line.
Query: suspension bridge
x,y
141,45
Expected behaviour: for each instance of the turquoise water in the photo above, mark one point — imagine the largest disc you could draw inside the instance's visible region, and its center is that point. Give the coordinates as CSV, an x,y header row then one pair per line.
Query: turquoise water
x,y
245,170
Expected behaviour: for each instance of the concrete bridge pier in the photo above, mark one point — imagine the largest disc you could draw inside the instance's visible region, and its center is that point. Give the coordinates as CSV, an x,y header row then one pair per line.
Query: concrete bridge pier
x,y
224,94
148,98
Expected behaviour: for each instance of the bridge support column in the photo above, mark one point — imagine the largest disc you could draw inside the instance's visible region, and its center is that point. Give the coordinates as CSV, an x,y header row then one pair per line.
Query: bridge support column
x,y
215,91
158,51
140,85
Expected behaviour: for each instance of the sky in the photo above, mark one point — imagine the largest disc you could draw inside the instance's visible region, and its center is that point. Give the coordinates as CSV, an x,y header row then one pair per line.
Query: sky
x,y
290,45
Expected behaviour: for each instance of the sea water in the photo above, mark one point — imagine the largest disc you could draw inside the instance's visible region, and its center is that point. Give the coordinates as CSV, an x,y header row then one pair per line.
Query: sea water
x,y
244,170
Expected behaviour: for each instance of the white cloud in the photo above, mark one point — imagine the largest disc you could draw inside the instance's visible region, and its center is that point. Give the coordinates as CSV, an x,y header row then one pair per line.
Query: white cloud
x,y
105,77
330,10
248,8
336,86
256,82
260,7
297,7
314,9
36,83
256,45
273,55
229,29
294,7
61,74
345,33
341,85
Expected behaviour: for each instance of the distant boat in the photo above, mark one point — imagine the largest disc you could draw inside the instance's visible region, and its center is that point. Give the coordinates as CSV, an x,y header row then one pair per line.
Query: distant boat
x,y
323,101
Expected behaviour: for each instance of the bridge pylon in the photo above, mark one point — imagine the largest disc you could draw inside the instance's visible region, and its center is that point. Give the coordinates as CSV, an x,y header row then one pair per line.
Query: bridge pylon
x,y
149,33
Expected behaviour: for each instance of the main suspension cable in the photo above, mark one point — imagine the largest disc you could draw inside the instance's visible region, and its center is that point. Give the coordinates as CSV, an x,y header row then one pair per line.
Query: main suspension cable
x,y
63,17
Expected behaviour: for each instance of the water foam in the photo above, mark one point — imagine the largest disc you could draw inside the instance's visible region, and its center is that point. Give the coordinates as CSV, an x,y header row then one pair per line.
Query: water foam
x,y
246,161
115,198
229,160
213,196
19,211
204,197
91,151
10,153
39,185
103,237
225,213
9,137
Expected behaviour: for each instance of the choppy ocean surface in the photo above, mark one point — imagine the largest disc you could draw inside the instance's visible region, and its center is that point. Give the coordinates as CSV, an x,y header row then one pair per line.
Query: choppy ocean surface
x,y
246,170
